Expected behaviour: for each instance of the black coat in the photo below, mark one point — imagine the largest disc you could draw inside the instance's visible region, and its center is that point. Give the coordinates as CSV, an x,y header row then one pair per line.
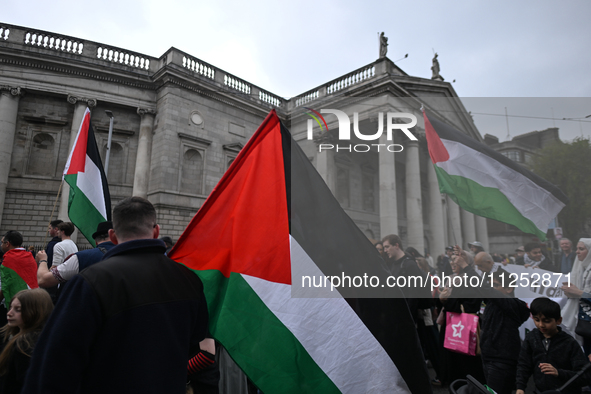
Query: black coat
x,y
499,327
564,353
417,297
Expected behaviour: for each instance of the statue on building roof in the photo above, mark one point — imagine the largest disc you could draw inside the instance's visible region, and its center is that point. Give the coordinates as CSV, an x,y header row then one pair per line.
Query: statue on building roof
x,y
383,45
435,68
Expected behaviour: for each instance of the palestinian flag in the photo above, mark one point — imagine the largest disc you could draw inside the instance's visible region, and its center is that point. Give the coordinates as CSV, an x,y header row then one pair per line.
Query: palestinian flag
x,y
271,216
17,272
485,182
89,202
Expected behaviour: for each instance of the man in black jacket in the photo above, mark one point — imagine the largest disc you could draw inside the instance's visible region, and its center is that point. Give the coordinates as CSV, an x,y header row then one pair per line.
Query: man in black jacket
x,y
125,325
404,266
53,231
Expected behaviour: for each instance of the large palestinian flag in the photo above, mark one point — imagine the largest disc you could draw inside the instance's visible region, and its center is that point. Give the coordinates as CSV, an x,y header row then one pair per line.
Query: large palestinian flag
x,y
485,182
272,214
18,271
89,202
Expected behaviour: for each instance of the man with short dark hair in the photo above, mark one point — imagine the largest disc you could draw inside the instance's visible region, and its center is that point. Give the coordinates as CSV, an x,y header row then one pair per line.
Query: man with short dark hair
x,y
66,247
533,255
48,277
18,269
53,231
124,325
535,258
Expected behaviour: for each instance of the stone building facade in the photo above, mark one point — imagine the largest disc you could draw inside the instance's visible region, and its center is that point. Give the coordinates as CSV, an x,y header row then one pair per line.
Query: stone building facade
x,y
179,122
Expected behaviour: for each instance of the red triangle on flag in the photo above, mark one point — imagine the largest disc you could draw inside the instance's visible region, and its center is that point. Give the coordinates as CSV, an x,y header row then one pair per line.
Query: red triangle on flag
x,y
437,150
243,226
77,159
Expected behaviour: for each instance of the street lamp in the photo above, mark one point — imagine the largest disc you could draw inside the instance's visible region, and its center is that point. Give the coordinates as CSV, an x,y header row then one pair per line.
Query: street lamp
x,y
110,115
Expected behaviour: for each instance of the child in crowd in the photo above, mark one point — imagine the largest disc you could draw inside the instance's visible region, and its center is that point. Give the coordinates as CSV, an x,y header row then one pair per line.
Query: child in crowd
x,y
27,314
551,355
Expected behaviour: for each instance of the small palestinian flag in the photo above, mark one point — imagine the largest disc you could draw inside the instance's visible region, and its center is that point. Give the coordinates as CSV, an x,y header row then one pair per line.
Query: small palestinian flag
x,y
271,212
89,202
485,182
17,272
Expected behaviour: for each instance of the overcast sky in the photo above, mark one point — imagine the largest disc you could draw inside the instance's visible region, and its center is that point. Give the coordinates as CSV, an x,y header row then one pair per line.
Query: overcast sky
x,y
533,49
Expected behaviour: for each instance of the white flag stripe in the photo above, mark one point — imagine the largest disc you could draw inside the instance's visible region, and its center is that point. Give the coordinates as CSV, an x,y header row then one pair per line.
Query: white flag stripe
x,y
91,185
532,201
332,334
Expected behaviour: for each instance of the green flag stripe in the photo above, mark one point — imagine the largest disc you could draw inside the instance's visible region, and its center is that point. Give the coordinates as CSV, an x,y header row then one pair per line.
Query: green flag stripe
x,y
12,283
484,201
81,210
248,340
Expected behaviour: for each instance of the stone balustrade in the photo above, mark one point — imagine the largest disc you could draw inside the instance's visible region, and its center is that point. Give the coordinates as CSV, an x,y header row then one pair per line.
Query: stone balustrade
x,y
238,84
307,97
270,98
350,79
53,41
335,86
4,33
56,44
120,56
199,67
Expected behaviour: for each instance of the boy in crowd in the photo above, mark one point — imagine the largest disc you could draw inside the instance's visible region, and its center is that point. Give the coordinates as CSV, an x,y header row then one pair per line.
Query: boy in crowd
x,y
548,353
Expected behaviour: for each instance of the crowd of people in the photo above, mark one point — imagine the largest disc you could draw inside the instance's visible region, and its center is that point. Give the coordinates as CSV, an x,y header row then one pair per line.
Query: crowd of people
x,y
106,315
552,353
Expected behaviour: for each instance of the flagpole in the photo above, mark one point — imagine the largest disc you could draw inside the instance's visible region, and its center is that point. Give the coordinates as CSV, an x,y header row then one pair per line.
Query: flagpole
x,y
53,209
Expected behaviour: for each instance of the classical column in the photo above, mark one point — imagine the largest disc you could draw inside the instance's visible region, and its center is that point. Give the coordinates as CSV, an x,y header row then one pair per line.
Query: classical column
x,y
79,109
414,206
9,98
144,151
387,177
325,161
482,231
454,228
468,229
436,222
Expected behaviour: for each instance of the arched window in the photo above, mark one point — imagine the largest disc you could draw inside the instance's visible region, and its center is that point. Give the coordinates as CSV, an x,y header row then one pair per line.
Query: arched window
x,y
192,172
42,160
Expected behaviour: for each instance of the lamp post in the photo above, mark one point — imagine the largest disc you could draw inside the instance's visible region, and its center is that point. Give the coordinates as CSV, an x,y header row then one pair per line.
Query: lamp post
x,y
110,115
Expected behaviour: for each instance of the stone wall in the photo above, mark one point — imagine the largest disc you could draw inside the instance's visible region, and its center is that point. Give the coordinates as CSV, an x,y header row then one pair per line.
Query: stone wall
x,y
173,220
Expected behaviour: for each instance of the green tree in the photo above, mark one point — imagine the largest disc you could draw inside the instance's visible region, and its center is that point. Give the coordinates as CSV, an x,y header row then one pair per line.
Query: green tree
x,y
568,166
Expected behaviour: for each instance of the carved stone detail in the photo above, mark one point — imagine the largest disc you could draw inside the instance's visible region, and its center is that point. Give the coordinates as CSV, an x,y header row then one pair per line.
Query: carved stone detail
x,y
143,111
91,102
14,90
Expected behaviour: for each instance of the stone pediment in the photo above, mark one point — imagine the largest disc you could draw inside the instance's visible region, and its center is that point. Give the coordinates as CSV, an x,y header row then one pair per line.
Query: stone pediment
x,y
237,147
